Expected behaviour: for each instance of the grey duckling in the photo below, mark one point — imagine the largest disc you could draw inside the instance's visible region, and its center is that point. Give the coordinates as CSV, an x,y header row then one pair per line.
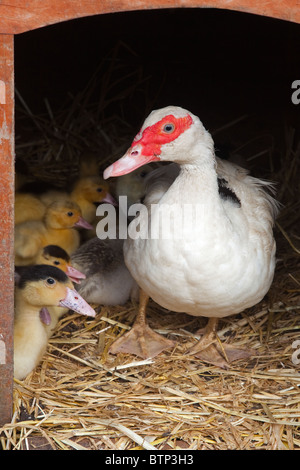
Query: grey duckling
x,y
108,281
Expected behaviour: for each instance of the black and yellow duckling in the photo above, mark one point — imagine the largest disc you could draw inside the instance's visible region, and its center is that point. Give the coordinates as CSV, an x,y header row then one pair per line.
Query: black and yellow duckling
x,y
56,256
53,255
40,287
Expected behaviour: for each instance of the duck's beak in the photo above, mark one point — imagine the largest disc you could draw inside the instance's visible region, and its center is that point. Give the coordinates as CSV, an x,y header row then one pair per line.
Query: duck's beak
x,y
83,224
133,159
74,274
75,302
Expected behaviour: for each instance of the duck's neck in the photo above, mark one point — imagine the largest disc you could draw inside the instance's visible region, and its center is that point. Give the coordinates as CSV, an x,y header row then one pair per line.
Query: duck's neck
x,y
198,179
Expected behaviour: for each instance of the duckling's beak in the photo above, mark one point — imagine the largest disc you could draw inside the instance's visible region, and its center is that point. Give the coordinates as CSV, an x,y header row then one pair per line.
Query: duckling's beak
x,y
74,274
75,302
83,223
110,200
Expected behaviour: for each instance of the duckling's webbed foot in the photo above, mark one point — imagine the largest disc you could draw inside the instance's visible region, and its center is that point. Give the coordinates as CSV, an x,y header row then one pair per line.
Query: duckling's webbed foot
x,y
141,340
211,350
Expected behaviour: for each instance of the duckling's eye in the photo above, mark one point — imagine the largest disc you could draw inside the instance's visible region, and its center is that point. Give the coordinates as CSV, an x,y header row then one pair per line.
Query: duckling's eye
x,y
99,190
168,128
57,263
70,214
50,281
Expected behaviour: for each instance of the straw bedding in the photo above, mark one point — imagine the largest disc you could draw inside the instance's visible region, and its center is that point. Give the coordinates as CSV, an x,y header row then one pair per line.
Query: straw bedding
x,y
82,397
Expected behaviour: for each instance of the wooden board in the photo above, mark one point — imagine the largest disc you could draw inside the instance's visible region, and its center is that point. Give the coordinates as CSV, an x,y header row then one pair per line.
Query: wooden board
x,y
17,16
7,224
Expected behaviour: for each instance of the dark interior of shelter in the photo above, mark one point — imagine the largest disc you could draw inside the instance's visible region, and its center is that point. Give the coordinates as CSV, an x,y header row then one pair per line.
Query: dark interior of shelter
x,y
234,70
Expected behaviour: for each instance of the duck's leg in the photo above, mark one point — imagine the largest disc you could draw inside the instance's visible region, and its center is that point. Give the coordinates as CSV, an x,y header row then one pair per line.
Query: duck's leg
x,y
210,349
141,340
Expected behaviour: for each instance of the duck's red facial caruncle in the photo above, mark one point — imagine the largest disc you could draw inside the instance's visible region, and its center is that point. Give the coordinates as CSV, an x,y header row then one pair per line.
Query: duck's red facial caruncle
x,y
146,146
162,132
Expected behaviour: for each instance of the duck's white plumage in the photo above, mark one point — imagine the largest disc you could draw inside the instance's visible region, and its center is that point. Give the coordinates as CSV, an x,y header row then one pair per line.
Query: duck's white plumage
x,y
224,260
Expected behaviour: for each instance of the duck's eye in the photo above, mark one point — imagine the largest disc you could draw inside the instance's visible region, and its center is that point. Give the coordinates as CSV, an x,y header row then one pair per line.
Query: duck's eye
x,y
168,128
99,190
50,281
57,263
70,214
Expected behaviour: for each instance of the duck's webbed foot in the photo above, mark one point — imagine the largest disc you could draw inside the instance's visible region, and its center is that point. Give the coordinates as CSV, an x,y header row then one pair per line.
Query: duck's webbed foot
x,y
211,350
141,340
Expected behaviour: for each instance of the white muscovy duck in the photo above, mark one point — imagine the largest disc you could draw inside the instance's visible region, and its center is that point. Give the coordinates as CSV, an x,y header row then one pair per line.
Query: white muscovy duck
x,y
224,259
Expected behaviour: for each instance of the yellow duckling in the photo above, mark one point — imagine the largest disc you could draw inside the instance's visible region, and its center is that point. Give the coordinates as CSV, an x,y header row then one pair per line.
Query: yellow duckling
x,y
90,191
56,228
28,207
87,193
40,286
